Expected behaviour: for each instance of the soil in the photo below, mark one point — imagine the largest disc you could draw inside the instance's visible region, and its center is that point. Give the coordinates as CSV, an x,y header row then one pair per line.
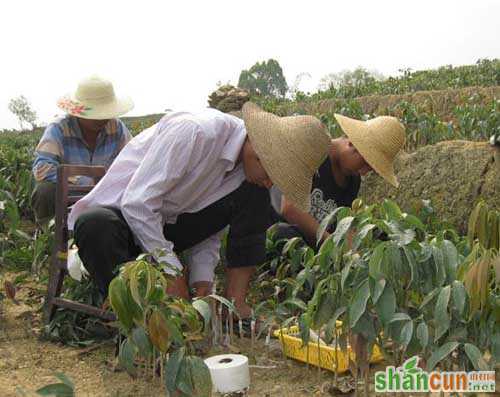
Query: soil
x,y
28,363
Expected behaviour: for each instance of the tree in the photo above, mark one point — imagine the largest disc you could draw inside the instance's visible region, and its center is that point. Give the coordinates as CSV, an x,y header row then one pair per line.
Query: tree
x,y
353,78
264,78
21,108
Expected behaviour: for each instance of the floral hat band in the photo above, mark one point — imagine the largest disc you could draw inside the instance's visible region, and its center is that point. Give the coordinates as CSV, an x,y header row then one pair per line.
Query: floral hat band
x,y
95,99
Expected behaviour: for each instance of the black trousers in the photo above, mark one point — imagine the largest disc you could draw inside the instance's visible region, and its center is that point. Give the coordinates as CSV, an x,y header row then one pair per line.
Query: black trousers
x,y
105,240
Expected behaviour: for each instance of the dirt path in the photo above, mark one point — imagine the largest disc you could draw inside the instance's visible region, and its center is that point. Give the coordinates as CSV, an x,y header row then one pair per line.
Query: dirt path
x,y
29,363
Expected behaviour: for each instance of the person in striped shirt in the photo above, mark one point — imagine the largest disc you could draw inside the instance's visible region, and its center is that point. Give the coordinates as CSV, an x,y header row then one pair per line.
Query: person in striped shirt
x,y
89,134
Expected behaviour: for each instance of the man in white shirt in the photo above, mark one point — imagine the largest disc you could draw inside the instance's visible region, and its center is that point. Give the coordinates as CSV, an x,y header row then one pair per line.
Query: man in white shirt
x,y
178,184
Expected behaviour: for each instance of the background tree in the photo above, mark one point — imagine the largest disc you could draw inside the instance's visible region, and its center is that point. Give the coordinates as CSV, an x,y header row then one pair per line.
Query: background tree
x,y
264,78
352,78
21,108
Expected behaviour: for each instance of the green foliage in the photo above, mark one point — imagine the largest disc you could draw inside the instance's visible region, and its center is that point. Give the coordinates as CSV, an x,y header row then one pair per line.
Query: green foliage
x,y
398,283
264,78
157,326
74,328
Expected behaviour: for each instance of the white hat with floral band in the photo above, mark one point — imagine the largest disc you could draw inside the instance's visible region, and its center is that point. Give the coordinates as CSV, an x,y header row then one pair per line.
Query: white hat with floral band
x,y
95,99
378,140
290,148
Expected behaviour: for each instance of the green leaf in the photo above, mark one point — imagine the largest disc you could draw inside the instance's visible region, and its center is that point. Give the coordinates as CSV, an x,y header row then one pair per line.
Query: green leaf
x,y
142,342
475,357
204,309
438,256
458,296
375,264
429,297
359,237
342,228
326,222
495,347
423,334
224,301
451,259
358,303
332,324
324,311
200,374
392,209
440,354
118,299
290,245
399,317
64,379
172,367
56,390
126,357
412,263
376,289
412,220
406,333
441,316
386,305
184,381
304,328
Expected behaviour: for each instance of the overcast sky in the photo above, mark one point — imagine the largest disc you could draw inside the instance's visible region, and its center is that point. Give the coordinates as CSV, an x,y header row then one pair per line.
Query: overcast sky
x,y
171,54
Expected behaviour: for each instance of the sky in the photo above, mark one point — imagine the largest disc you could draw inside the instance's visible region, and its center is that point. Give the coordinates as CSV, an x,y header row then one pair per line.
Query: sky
x,y
171,54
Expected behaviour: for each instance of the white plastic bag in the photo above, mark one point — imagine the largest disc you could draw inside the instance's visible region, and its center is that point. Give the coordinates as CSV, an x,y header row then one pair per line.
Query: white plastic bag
x,y
75,266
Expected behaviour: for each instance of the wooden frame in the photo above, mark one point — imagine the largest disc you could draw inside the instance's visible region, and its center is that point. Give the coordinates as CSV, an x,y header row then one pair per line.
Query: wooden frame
x,y
66,195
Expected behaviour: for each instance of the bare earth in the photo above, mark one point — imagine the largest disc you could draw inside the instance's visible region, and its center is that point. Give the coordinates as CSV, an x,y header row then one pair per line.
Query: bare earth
x,y
29,363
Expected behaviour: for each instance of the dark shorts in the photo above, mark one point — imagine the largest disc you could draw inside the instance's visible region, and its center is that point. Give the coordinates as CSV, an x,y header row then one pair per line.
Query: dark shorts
x,y
105,240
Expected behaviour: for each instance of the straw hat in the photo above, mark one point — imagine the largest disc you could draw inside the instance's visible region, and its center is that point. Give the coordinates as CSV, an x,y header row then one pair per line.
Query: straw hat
x,y
290,148
95,99
378,140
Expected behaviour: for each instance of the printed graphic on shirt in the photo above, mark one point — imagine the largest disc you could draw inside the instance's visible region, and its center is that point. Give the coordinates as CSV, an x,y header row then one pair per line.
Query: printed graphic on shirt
x,y
319,207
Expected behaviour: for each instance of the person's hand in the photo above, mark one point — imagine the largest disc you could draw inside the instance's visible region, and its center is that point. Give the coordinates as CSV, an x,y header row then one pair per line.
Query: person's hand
x,y
178,287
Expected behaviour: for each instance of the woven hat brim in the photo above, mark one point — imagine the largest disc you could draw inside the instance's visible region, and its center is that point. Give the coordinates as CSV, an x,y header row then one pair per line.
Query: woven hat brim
x,y
291,177
360,136
96,110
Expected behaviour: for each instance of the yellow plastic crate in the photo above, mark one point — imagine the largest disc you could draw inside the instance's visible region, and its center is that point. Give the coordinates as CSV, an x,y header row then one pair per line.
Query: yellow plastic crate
x,y
323,356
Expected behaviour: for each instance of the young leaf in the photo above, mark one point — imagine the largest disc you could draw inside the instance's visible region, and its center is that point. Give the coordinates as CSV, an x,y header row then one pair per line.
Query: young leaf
x,y
56,390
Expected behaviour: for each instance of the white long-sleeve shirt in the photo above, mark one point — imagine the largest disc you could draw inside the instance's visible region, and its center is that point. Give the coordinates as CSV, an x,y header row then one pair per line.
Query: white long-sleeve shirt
x,y
182,164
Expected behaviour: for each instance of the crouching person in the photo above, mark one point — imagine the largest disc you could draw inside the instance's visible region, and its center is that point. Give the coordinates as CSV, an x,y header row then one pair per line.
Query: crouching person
x,y
367,146
177,185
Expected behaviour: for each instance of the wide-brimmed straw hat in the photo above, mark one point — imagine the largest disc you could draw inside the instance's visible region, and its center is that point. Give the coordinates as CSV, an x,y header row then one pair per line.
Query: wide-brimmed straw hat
x,y
290,148
95,99
378,140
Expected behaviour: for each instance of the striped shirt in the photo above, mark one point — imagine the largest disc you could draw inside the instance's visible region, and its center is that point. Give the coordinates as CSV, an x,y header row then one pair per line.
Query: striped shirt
x,y
63,143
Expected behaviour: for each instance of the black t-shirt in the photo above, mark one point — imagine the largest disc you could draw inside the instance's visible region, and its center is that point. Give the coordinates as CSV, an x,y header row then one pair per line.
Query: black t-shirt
x,y
326,195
